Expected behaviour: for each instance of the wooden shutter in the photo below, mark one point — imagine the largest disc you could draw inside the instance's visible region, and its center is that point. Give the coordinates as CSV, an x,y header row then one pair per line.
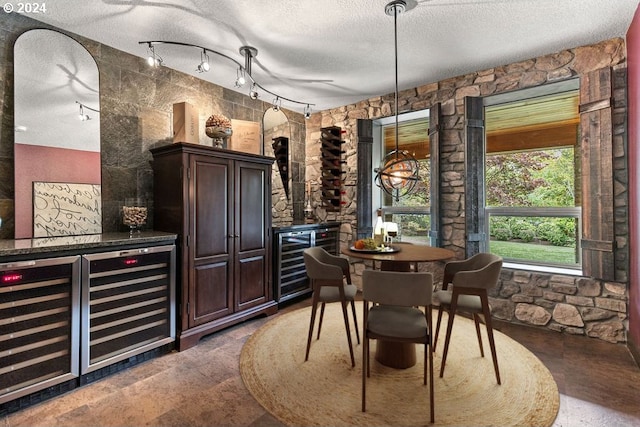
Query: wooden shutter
x,y
474,176
435,119
365,178
596,113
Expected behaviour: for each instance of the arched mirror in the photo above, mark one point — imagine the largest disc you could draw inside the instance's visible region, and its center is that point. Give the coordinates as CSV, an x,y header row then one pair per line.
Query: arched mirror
x,y
277,135
57,137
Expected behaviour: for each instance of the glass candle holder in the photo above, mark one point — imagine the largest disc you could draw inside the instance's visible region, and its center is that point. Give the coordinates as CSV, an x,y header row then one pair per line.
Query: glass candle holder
x,y
134,214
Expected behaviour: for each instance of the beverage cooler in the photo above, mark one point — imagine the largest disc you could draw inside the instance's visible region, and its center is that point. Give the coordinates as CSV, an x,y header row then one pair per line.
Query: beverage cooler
x,y
39,324
62,317
128,304
289,273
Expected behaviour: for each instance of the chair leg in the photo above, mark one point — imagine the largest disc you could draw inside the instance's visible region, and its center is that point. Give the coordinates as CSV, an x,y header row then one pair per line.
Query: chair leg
x,y
355,320
435,340
492,344
314,307
365,369
452,315
431,397
476,320
346,325
321,317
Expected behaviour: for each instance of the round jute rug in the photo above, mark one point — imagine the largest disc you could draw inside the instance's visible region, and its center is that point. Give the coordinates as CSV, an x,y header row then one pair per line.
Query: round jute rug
x,y
326,390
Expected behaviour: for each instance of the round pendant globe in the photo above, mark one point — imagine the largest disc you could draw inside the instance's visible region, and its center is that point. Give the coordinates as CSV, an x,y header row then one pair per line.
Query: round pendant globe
x,y
398,173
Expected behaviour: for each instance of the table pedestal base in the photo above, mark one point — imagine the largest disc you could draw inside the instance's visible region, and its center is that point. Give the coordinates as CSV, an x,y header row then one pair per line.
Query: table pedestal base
x,y
399,355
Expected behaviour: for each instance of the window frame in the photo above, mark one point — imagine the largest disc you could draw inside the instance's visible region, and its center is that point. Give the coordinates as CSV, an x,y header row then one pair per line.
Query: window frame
x,y
377,195
572,212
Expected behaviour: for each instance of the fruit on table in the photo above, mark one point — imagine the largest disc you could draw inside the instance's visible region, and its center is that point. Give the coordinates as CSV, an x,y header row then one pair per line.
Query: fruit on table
x,y
367,243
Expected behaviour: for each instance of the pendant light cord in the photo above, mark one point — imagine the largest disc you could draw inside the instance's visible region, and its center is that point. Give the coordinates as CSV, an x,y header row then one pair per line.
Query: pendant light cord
x,y
395,32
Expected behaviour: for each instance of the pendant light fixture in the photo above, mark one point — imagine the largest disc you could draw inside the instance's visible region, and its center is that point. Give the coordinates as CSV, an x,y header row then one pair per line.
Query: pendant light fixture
x,y
398,171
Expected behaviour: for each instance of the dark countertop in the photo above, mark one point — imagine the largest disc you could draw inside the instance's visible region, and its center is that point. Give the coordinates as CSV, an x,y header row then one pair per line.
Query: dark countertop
x,y
299,226
90,242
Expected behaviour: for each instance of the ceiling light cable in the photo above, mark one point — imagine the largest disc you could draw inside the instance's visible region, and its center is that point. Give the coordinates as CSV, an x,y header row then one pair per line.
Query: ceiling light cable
x,y
247,52
398,171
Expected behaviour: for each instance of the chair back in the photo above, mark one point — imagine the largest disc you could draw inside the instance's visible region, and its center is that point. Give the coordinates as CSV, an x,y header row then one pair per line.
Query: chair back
x,y
485,275
397,288
476,262
319,265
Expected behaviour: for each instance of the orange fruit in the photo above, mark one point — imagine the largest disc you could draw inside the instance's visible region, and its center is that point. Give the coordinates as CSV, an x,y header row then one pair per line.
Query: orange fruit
x,y
359,244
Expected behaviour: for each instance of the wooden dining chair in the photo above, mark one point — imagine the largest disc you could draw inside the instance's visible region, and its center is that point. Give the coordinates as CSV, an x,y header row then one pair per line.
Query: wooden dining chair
x,y
392,312
464,288
331,282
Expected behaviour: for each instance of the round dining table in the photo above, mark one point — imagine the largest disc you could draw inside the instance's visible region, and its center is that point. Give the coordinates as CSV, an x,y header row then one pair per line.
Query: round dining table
x,y
399,355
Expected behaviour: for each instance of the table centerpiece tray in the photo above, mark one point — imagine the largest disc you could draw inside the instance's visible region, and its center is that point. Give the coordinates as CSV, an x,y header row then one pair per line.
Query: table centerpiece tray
x,y
379,250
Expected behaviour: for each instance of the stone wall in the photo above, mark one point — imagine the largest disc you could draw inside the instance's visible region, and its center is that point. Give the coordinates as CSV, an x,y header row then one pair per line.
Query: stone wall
x,y
136,104
575,305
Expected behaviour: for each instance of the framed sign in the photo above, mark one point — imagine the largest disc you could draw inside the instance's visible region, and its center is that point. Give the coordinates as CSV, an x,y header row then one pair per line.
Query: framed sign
x,y
245,137
66,209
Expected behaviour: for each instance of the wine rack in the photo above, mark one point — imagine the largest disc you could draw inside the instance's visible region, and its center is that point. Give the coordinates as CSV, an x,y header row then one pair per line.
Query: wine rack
x,y
331,167
281,152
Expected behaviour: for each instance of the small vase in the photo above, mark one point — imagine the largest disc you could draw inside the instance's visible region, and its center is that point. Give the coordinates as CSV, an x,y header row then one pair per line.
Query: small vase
x,y
134,214
219,135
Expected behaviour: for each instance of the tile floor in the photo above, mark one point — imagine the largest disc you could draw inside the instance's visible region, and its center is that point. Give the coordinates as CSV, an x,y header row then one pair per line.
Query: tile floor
x,y
599,385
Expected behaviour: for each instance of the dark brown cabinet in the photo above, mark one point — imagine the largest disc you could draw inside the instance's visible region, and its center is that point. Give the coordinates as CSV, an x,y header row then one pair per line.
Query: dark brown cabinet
x,y
219,203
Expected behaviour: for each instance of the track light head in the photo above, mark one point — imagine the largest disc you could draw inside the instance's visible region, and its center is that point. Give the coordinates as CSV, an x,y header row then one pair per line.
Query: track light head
x,y
276,104
253,93
307,111
240,78
204,66
154,60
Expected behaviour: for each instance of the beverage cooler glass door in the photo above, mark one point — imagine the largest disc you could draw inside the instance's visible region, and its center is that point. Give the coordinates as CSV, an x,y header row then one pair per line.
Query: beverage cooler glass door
x,y
39,324
128,302
290,271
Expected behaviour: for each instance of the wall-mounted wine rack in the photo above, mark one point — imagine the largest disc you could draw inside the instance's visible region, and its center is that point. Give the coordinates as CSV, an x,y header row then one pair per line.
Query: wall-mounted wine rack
x,y
332,173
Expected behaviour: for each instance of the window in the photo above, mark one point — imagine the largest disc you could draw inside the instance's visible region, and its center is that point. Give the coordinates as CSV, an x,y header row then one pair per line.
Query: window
x,y
411,212
532,184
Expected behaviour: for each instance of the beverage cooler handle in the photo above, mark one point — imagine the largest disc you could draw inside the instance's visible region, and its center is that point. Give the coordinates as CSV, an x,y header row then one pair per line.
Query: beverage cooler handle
x,y
134,252
19,264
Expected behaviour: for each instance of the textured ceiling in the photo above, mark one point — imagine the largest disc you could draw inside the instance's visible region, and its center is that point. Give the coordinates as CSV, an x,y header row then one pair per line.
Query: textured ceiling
x,y
335,52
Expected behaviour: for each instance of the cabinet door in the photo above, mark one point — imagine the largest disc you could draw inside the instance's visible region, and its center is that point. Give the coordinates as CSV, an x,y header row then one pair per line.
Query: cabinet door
x,y
253,213
210,243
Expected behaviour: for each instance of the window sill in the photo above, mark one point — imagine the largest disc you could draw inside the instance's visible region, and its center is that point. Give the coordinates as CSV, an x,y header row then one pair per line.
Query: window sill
x,y
543,269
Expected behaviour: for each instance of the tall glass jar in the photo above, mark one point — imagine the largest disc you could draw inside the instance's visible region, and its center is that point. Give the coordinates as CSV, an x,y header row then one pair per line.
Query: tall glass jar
x,y
134,214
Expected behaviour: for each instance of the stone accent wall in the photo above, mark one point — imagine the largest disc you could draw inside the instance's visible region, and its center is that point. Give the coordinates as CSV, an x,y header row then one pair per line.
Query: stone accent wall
x,y
289,209
569,304
136,104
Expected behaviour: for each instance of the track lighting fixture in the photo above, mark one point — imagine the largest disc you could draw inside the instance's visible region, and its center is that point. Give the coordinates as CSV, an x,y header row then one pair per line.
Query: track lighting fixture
x,y
81,114
154,60
204,66
307,111
243,73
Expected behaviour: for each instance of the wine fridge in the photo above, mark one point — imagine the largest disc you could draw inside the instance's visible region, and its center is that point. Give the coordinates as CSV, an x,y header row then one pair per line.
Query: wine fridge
x,y
128,301
39,324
